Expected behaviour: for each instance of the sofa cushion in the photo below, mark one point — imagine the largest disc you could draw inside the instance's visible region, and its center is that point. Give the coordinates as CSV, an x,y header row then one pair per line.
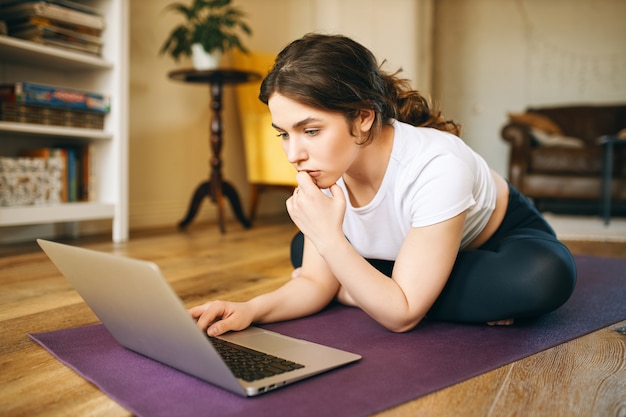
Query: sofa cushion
x,y
536,121
547,139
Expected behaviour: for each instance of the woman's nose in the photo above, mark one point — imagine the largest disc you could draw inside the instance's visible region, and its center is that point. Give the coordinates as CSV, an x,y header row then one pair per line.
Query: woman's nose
x,y
295,151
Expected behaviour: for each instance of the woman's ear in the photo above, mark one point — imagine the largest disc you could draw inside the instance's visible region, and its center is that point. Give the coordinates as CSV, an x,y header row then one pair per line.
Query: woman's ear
x,y
365,120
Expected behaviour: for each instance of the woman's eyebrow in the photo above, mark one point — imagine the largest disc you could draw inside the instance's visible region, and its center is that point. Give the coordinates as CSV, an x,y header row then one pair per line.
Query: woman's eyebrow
x,y
300,123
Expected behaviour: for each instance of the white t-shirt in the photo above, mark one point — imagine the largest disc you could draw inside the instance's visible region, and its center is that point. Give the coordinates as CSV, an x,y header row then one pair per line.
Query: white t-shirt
x,y
432,176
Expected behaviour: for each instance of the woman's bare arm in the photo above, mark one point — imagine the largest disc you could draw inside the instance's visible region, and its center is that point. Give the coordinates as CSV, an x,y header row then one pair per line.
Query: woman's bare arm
x,y
299,297
420,274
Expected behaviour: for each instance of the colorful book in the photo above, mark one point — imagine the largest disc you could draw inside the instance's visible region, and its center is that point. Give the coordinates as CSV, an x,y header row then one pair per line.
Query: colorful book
x,y
86,191
53,96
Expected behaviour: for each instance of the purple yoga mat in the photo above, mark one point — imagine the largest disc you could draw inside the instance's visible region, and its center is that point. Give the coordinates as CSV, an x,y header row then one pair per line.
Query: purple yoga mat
x,y
395,367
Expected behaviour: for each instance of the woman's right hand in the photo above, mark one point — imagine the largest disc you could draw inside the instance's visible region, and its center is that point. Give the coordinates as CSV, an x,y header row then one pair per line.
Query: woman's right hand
x,y
218,317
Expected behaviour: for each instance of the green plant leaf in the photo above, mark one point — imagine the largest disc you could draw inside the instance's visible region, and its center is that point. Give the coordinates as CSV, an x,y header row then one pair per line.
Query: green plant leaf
x,y
213,23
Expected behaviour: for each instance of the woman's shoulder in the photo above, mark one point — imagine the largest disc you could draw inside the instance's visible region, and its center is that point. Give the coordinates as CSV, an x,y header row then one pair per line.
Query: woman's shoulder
x,y
422,143
429,135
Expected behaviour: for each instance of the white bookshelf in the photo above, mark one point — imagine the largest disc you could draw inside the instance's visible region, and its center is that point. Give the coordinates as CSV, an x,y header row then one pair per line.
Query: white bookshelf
x,y
27,61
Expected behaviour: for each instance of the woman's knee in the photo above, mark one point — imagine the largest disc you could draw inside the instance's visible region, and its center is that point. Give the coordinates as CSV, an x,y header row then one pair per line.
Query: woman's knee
x,y
528,276
552,279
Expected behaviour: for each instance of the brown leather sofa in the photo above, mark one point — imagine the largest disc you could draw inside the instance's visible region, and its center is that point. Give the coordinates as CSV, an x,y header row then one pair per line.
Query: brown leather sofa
x,y
556,158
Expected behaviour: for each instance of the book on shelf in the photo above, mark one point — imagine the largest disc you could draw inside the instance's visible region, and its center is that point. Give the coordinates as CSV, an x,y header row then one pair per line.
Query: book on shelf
x,y
55,10
36,27
22,92
24,113
40,22
59,37
69,45
77,172
70,4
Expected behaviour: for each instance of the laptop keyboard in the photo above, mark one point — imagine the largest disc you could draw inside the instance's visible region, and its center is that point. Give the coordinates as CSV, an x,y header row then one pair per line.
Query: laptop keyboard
x,y
251,365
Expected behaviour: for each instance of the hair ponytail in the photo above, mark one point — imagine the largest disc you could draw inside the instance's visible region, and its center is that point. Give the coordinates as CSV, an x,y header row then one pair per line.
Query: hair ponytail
x,y
413,108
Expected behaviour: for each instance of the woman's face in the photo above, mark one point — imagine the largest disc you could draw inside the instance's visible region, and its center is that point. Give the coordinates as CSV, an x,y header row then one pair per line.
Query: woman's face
x,y
315,141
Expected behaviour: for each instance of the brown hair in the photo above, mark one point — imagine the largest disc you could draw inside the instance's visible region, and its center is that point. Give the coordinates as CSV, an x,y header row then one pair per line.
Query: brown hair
x,y
335,73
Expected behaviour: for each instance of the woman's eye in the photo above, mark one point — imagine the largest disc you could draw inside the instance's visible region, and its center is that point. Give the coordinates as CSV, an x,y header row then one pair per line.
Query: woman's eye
x,y
283,135
311,132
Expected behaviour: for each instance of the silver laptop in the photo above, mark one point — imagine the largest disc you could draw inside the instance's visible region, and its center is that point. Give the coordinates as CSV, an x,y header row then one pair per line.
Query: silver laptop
x,y
136,304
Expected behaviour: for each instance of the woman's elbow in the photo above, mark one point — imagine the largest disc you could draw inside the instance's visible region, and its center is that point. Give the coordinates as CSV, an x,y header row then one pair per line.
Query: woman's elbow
x,y
402,326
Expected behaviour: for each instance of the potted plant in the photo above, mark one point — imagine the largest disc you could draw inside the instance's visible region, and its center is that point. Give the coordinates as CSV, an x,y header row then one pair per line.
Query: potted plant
x,y
211,27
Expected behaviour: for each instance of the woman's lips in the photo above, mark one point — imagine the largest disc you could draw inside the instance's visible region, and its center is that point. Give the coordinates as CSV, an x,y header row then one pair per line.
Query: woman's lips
x,y
313,174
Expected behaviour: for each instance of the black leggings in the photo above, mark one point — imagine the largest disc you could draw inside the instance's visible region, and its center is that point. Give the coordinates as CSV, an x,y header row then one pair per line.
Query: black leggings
x,y
523,270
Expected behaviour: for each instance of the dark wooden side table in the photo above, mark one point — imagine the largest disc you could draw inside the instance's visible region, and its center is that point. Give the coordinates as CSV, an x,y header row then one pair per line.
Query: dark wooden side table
x,y
608,143
215,188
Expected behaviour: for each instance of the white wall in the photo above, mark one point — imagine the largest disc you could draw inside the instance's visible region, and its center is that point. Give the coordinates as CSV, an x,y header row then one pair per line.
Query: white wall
x,y
498,56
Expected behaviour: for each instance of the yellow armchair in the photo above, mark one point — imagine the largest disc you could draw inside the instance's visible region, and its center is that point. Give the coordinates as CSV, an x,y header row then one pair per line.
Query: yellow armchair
x,y
266,164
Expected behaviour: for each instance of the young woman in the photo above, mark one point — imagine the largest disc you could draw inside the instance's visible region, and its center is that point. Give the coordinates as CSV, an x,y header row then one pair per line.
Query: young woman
x,y
397,215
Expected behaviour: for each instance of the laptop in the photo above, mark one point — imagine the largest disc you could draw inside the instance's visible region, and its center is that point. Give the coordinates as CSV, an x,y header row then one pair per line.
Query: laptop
x,y
143,313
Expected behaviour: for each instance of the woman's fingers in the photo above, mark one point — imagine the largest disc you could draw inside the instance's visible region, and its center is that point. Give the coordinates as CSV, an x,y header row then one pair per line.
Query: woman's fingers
x,y
218,317
206,313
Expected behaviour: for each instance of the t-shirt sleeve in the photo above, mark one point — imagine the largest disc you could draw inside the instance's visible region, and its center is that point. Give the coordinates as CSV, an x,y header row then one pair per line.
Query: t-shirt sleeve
x,y
440,191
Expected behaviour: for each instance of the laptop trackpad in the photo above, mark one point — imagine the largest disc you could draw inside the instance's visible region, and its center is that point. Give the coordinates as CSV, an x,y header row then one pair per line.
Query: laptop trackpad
x,y
263,340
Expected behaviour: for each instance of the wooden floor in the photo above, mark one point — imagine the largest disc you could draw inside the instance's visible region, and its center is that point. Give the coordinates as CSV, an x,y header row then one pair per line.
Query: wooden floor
x,y
585,377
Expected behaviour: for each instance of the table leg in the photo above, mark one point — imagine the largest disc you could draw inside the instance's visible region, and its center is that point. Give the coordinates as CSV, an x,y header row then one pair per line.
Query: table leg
x,y
231,194
607,171
204,191
215,188
215,142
